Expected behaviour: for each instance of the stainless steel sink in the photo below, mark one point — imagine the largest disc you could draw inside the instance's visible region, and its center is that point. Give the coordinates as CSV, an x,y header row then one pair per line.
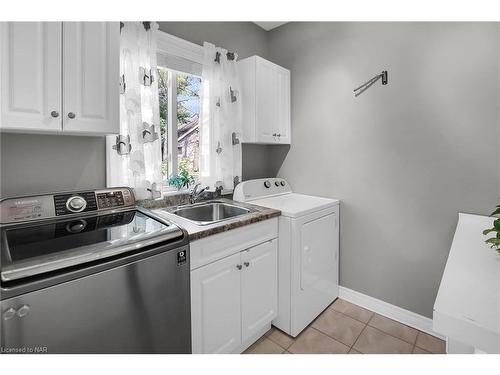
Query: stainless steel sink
x,y
210,212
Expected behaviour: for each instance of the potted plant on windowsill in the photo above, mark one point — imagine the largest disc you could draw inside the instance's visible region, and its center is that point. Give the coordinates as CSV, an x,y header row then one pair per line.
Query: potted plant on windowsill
x,y
494,242
182,180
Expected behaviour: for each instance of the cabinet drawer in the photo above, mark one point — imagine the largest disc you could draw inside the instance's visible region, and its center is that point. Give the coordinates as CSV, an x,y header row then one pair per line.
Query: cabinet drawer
x,y
210,249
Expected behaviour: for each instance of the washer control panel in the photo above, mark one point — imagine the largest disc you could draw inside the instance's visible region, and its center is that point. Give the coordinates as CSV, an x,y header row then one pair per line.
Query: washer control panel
x,y
38,207
69,203
110,199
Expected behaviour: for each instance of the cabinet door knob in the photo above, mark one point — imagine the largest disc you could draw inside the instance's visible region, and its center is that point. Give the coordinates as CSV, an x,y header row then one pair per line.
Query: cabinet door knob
x,y
239,266
71,115
246,264
54,114
274,134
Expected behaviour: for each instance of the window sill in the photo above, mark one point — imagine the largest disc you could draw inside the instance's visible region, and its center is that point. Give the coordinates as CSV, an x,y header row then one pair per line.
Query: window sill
x,y
167,192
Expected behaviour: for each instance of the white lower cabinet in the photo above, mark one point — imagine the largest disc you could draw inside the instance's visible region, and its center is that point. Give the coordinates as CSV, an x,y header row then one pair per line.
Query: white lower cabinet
x,y
215,305
233,299
259,288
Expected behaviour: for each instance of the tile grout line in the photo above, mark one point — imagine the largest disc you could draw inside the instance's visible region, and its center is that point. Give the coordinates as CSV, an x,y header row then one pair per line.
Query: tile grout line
x,y
355,341
394,337
369,320
334,339
349,316
281,346
378,329
338,340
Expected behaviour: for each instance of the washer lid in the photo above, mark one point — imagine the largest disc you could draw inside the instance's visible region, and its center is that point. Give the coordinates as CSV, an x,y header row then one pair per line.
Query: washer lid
x,y
295,205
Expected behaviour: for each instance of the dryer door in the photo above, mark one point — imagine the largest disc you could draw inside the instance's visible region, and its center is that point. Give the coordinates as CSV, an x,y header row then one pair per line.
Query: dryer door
x,y
317,263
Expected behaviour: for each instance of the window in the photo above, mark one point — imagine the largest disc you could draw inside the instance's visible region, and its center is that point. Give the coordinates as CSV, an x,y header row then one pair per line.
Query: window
x,y
179,96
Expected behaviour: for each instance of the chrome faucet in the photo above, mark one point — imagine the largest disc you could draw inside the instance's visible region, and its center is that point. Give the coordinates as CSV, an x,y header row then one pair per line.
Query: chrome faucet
x,y
195,194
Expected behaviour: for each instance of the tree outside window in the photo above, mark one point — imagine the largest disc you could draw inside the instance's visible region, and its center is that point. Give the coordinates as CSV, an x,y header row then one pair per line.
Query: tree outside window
x,y
187,103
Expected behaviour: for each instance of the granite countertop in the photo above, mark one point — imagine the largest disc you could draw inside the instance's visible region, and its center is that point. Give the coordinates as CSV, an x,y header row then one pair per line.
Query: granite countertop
x,y
196,232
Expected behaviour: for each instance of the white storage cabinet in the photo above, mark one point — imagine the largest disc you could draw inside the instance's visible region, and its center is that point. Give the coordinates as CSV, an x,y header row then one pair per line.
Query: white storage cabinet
x,y
266,101
60,77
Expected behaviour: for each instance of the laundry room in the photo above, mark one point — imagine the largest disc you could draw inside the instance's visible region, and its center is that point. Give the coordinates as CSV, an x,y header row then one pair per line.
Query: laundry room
x,y
222,185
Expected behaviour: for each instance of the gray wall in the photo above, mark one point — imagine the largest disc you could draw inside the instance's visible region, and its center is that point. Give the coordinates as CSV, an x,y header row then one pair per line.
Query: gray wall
x,y
404,158
33,164
247,39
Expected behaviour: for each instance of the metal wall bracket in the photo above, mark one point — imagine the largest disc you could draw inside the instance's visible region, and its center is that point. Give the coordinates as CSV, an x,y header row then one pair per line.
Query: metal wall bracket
x,y
146,76
365,86
122,145
385,79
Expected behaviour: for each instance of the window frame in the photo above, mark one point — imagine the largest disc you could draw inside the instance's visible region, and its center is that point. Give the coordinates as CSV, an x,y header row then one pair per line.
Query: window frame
x,y
172,45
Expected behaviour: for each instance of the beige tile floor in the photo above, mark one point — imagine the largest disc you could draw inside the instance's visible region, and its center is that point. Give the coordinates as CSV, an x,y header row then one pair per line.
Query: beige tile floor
x,y
345,328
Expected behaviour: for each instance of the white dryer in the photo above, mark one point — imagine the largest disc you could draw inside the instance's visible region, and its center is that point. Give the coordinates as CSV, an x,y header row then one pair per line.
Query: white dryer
x,y
308,250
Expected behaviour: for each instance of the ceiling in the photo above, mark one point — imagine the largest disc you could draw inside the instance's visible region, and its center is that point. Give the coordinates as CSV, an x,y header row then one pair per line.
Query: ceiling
x,y
269,25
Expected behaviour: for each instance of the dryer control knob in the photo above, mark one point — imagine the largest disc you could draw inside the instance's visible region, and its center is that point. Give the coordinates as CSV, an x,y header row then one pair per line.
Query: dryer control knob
x,y
267,184
277,183
282,183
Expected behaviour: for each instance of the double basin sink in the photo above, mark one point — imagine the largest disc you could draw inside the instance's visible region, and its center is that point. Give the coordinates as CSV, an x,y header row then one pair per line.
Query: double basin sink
x,y
210,212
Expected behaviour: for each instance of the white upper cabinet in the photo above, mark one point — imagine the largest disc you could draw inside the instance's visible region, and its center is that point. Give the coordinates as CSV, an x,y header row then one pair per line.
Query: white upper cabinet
x,y
91,57
266,101
31,76
60,77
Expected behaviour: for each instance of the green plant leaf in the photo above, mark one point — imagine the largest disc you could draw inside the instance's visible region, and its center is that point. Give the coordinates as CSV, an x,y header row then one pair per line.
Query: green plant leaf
x,y
496,224
496,212
486,231
493,241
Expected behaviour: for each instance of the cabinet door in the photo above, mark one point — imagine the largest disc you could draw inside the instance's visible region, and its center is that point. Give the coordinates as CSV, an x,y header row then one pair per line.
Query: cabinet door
x,y
91,70
283,105
259,287
266,100
216,306
30,76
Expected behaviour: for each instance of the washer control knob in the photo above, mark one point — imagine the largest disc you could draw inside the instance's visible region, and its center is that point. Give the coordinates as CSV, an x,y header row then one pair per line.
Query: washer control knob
x,y
267,184
277,183
76,204
282,183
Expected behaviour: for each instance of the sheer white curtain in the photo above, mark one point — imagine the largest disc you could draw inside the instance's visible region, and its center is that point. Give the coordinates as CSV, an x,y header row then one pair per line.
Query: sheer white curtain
x,y
134,157
221,116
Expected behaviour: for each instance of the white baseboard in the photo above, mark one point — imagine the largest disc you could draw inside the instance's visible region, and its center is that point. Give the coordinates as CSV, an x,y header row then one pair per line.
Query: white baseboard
x,y
407,317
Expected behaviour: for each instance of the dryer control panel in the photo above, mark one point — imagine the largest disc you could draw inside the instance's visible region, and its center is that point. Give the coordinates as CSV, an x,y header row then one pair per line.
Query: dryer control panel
x,y
260,188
